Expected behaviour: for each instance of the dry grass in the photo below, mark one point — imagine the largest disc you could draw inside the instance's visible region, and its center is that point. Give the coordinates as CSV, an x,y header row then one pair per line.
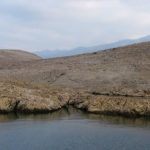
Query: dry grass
x,y
124,71
46,85
29,97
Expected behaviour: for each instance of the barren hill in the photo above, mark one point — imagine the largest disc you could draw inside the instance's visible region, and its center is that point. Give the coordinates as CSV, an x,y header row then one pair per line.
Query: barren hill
x,y
123,71
16,55
114,81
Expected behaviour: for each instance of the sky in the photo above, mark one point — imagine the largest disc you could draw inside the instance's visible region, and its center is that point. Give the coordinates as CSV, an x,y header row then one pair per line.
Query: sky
x,y
35,25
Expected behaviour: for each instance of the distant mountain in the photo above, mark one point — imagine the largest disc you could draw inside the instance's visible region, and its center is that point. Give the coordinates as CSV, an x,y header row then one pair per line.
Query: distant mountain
x,y
81,50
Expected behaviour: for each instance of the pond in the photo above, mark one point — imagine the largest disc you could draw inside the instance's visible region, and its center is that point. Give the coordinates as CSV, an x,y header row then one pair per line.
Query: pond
x,y
71,129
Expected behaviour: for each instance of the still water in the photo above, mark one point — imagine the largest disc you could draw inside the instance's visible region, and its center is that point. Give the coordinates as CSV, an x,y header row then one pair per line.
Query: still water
x,y
73,130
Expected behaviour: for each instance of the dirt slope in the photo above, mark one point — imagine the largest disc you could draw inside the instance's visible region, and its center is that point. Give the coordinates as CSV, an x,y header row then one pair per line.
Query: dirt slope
x,y
16,55
114,81
119,71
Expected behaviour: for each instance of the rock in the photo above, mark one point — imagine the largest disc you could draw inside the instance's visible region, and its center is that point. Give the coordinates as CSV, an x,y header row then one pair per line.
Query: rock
x,y
28,98
7,105
23,97
120,105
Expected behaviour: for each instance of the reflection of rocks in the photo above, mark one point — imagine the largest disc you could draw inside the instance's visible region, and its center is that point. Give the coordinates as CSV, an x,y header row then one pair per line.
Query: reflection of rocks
x,y
119,120
56,115
75,114
8,117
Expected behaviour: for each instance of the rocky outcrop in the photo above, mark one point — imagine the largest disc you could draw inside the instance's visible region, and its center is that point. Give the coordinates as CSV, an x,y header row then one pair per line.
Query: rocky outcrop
x,y
17,96
114,105
22,97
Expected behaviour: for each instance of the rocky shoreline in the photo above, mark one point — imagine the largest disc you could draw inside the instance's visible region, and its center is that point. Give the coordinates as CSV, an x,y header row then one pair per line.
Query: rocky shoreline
x,y
116,105
21,97
114,81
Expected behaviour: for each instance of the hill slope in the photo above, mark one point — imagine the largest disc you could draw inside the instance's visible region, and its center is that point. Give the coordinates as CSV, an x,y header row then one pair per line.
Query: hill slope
x,y
124,71
114,81
16,55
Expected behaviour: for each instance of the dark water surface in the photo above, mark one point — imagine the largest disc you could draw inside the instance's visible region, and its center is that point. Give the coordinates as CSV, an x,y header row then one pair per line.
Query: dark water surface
x,y
73,130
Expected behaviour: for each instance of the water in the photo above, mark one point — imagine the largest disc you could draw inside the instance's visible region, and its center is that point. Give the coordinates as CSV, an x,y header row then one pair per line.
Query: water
x,y
73,130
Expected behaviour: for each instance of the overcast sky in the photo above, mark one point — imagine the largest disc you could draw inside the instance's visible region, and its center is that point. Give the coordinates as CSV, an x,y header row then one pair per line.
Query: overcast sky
x,y
63,24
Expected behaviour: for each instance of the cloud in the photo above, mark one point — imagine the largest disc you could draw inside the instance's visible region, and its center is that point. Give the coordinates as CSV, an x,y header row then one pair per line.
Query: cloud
x,y
50,24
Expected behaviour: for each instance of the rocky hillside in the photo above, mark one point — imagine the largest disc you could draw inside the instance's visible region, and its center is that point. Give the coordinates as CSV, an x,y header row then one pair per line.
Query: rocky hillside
x,y
104,81
124,71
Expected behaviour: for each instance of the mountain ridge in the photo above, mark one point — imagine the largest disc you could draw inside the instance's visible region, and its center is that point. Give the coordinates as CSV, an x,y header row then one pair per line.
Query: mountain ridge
x,y
82,50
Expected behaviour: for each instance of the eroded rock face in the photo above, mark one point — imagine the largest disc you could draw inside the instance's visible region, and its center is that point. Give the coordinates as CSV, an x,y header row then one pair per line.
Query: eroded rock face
x,y
16,96
7,105
114,105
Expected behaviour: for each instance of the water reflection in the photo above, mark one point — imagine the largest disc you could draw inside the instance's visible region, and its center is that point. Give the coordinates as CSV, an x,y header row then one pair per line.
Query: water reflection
x,y
75,114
